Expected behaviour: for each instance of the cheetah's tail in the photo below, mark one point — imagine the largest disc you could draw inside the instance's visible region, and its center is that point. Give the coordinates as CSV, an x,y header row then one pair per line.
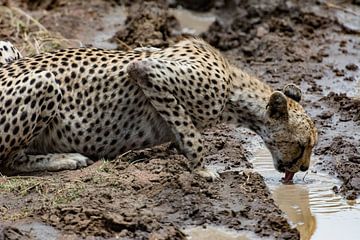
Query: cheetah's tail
x,y
8,53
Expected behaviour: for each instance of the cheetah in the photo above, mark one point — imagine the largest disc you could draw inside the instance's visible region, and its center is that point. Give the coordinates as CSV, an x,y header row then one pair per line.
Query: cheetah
x,y
67,108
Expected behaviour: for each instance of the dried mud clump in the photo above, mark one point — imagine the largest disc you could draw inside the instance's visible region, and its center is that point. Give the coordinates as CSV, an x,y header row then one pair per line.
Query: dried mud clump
x,y
255,19
98,221
350,172
349,107
347,166
352,67
147,24
341,149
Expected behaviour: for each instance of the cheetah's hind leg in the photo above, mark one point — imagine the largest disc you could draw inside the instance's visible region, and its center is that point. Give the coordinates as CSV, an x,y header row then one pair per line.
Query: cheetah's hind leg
x,y
50,162
158,89
8,53
29,107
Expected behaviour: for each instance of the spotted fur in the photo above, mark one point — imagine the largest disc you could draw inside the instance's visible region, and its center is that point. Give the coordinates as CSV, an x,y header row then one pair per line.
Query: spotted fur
x,y
64,109
8,53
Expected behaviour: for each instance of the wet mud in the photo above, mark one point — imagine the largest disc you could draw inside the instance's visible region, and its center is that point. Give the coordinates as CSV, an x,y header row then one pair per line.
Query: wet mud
x,y
151,194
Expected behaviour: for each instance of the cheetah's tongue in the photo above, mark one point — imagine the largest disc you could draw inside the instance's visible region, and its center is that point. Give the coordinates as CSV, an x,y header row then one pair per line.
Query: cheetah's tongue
x,y
288,177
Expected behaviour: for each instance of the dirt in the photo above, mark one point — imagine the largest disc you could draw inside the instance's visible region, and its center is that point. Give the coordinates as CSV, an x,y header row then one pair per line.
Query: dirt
x,y
151,194
147,24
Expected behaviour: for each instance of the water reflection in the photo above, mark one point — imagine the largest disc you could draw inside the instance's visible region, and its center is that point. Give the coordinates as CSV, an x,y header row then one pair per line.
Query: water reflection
x,y
294,201
217,233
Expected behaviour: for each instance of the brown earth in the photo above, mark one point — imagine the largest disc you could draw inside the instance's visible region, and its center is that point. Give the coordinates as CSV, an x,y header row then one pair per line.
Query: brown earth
x,y
148,194
151,194
147,24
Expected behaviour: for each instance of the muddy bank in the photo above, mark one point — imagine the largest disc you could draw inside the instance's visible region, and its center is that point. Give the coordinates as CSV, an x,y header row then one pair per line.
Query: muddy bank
x,y
151,194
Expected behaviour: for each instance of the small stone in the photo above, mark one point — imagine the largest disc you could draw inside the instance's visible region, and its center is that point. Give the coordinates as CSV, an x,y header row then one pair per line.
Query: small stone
x,y
355,183
344,118
326,115
350,79
351,196
54,219
339,73
352,67
124,233
261,31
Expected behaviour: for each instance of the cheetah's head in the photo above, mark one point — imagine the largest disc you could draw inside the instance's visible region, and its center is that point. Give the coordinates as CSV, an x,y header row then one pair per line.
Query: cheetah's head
x,y
290,133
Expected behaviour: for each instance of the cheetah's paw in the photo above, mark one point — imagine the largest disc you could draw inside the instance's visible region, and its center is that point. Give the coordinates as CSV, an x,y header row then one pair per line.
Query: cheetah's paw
x,y
66,161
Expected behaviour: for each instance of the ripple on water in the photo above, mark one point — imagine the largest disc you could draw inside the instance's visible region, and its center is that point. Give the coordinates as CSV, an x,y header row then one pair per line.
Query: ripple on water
x,y
193,22
217,233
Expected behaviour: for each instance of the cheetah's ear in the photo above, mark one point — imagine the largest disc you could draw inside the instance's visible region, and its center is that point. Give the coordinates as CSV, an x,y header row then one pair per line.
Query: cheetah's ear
x,y
277,106
292,91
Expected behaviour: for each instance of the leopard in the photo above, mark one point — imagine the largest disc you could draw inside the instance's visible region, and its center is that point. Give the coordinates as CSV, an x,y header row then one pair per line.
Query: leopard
x,y
66,109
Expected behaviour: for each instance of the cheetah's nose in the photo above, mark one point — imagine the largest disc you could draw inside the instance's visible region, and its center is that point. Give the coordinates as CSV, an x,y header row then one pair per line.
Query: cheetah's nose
x,y
304,168
281,167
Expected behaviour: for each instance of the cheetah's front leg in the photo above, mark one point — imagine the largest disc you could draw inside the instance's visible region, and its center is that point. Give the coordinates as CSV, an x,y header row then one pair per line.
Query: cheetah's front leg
x,y
156,88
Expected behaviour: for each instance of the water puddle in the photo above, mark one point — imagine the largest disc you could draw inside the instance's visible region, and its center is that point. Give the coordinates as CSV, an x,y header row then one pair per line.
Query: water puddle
x,y
36,230
111,22
217,233
310,204
193,22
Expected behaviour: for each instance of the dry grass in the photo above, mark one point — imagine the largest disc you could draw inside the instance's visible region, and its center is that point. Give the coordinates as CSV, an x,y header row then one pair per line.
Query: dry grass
x,y
19,185
39,191
28,34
